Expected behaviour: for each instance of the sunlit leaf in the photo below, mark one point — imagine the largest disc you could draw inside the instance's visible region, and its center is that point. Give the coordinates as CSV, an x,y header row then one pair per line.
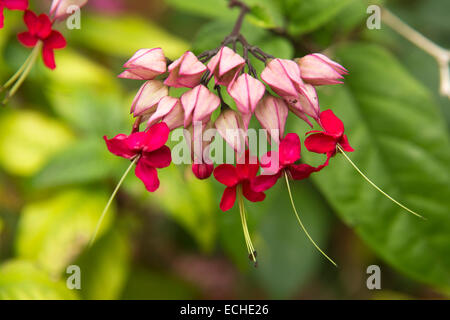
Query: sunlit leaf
x,y
22,280
52,232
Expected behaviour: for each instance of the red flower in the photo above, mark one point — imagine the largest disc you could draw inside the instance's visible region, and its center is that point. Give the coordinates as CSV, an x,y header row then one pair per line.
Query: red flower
x,y
240,176
40,29
11,5
289,153
328,140
149,146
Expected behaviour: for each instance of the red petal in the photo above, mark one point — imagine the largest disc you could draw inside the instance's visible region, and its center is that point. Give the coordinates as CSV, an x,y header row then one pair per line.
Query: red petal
x,y
27,39
49,57
226,174
332,124
228,198
250,194
320,143
156,136
345,144
44,26
290,149
55,40
31,20
148,175
247,166
15,4
2,18
160,158
264,182
301,171
119,146
203,170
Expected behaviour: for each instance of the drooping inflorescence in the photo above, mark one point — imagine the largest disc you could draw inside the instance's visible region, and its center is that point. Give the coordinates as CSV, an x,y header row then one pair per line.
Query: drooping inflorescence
x,y
292,82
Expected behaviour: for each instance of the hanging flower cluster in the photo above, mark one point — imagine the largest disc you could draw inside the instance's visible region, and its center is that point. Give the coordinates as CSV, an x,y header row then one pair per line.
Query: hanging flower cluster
x,y
293,83
41,36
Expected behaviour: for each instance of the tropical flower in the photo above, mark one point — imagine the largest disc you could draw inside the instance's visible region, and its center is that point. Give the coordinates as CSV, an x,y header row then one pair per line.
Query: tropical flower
x,y
327,141
185,72
225,66
239,176
145,64
147,148
60,9
40,30
276,163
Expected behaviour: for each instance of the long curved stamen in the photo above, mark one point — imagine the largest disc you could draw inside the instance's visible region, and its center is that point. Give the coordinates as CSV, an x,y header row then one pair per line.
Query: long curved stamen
x,y
97,228
301,223
248,241
375,186
22,73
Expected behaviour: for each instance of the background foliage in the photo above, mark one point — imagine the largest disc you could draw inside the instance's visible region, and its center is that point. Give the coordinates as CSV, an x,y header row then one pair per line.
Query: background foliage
x,y
56,174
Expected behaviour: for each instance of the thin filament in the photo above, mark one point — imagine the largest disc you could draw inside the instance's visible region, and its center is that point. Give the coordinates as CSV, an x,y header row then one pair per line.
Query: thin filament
x,y
97,228
375,186
250,248
24,71
301,223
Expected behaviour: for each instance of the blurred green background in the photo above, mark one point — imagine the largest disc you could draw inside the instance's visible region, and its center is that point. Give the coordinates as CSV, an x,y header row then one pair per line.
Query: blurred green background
x,y
56,174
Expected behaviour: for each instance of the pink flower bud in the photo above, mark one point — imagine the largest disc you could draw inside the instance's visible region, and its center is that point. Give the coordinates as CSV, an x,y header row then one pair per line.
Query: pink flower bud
x,y
308,101
246,92
145,64
60,9
170,111
283,76
202,170
230,126
148,97
317,69
225,66
272,113
198,104
185,72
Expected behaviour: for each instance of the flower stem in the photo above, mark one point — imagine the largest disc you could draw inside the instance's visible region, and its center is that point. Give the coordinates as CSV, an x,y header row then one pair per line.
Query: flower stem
x,y
23,72
97,228
248,241
301,223
18,73
375,186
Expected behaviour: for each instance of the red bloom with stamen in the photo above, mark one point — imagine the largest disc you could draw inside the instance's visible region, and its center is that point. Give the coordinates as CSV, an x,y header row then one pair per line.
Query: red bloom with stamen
x,y
11,5
40,29
327,141
241,175
150,147
289,153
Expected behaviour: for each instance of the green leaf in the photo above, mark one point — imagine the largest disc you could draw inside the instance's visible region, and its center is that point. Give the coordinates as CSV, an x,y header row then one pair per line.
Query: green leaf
x,y
83,162
54,231
123,35
402,144
306,15
22,280
28,140
287,259
104,267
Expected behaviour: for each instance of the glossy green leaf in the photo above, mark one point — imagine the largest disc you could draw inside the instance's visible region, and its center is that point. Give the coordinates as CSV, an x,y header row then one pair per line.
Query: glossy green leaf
x,y
306,15
54,231
402,144
22,280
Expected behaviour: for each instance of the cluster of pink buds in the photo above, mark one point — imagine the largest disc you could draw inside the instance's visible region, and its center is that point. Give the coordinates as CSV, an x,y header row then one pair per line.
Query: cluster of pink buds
x,y
293,83
41,36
